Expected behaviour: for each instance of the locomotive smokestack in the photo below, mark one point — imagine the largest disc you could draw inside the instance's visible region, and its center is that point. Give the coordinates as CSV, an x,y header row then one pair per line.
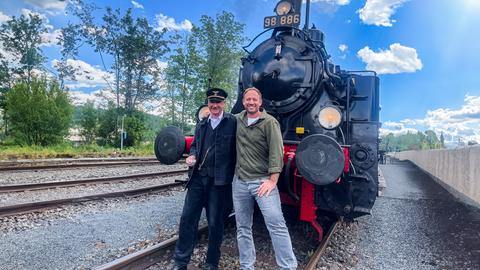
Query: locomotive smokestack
x,y
307,15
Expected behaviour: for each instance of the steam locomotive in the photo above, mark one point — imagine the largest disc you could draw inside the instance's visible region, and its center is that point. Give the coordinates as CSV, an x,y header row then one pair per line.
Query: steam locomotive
x,y
329,119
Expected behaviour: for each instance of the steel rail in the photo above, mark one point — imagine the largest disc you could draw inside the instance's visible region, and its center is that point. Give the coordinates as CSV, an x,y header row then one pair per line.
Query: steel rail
x,y
144,258
55,184
16,209
74,165
312,263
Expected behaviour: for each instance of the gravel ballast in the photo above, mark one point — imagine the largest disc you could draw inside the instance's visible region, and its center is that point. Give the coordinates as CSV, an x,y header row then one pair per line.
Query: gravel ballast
x,y
83,190
81,237
41,176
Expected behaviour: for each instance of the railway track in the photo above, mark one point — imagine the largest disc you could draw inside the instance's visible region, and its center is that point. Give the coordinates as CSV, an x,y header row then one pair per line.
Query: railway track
x,y
24,208
142,259
312,263
56,184
43,166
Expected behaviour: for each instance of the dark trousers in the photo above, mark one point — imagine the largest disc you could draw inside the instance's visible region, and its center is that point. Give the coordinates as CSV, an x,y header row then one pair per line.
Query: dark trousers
x,y
202,193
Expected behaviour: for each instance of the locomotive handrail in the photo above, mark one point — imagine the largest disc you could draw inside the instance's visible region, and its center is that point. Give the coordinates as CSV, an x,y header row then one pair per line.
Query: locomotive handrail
x,y
263,32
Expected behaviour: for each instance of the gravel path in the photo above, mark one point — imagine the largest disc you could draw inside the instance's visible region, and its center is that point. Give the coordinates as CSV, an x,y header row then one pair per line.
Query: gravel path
x,y
81,237
416,225
40,176
83,190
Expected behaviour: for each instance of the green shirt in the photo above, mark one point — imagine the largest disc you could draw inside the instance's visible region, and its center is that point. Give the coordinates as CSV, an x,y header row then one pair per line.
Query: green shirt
x,y
259,147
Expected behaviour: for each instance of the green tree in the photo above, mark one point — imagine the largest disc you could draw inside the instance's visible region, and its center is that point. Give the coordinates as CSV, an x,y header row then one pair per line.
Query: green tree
x,y
134,46
89,122
134,126
107,132
4,87
39,112
219,43
21,38
442,140
182,83
432,140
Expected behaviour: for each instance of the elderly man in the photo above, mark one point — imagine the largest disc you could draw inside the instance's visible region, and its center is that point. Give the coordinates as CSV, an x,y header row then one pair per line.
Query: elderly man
x,y
259,163
212,155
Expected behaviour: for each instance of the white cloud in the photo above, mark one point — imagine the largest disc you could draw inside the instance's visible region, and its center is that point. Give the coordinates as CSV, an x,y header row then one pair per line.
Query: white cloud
x,y
397,59
378,12
51,38
169,23
344,49
456,124
137,4
395,128
3,17
86,75
27,12
99,98
49,4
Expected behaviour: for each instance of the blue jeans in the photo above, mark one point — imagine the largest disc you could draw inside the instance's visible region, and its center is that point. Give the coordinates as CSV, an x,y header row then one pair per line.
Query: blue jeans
x,y
244,194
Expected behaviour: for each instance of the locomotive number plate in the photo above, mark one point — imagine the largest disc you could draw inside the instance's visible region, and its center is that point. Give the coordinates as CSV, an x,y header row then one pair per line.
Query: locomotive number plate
x,y
292,19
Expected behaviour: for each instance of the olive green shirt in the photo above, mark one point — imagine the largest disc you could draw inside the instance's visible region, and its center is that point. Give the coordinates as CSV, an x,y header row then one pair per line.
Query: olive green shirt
x,y
259,147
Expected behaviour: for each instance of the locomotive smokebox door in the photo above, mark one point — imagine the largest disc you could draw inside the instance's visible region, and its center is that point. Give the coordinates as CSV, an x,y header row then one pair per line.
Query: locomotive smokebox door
x,y
320,159
169,145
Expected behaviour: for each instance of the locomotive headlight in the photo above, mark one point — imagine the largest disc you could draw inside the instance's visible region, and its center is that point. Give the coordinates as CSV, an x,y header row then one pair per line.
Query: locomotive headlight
x,y
330,117
283,8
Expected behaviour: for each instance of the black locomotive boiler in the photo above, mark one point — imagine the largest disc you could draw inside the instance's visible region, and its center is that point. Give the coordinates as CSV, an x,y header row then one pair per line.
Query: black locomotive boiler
x,y
329,119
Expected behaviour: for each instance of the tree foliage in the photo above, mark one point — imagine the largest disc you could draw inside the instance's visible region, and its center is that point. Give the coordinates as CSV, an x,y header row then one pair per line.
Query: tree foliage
x,y
21,38
40,112
89,122
134,126
220,43
411,141
182,80
107,126
211,51
134,46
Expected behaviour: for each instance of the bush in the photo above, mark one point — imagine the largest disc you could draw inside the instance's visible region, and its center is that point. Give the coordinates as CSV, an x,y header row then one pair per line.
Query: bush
x,y
39,113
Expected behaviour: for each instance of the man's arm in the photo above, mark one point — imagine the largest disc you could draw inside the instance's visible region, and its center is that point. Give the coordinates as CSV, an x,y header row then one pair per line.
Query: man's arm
x,y
275,158
191,159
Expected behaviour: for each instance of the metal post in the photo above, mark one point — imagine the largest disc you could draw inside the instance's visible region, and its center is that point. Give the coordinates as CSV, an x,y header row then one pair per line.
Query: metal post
x,y
121,134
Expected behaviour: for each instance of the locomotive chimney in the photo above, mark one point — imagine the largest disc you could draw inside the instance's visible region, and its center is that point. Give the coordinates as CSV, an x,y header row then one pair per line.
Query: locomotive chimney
x,y
307,15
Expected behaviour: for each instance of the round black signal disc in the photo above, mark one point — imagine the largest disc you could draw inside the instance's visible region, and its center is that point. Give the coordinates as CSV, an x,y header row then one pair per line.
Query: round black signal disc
x,y
320,159
169,145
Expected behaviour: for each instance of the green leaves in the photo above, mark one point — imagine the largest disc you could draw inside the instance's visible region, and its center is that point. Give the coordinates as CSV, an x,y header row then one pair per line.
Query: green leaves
x,y
211,51
39,112
89,122
220,43
411,141
21,38
132,43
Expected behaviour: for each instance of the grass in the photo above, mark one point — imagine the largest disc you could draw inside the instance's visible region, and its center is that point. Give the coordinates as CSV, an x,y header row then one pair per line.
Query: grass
x,y
70,151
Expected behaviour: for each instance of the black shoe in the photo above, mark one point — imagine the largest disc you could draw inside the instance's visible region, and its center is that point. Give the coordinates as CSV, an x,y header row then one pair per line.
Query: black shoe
x,y
176,267
209,267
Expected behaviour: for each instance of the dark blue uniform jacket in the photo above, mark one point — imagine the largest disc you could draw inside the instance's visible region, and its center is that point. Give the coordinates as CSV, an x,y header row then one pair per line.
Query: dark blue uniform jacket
x,y
225,149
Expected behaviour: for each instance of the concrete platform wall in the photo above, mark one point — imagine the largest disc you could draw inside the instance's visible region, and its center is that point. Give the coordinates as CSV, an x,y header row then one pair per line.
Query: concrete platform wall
x,y
458,170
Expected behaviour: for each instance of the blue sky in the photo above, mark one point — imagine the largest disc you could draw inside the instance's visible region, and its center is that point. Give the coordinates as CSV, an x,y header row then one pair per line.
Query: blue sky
x,y
427,52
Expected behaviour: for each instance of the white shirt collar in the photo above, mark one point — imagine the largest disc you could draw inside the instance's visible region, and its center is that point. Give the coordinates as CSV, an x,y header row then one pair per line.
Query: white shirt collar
x,y
216,119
